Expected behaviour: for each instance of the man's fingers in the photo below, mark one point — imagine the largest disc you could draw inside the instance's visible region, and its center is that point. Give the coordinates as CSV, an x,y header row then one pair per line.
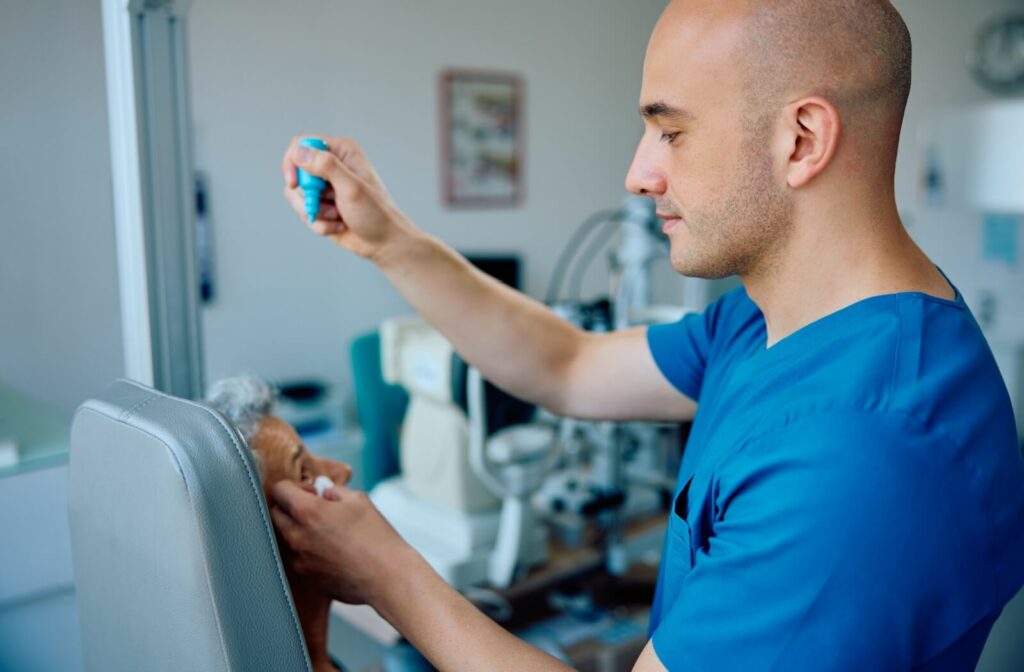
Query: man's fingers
x,y
295,199
349,154
284,524
344,493
348,187
288,163
295,501
328,221
343,147
322,227
291,179
341,492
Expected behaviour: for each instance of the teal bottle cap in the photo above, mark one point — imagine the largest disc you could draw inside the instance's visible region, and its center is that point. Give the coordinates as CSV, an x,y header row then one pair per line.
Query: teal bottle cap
x,y
315,143
312,185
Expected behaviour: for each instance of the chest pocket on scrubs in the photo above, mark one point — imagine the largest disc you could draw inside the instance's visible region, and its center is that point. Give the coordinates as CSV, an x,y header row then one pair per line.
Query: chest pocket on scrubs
x,y
678,558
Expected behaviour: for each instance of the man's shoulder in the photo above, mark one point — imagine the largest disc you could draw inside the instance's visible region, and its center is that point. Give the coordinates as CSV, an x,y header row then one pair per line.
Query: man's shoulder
x,y
857,469
836,454
921,363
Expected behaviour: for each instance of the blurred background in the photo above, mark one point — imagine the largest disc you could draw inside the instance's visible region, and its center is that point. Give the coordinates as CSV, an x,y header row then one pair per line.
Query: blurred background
x,y
281,303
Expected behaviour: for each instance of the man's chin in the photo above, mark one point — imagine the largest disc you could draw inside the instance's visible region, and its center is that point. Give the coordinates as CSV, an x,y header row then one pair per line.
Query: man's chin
x,y
703,268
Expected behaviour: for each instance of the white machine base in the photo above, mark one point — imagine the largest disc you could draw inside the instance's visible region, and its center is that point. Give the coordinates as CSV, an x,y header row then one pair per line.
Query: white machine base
x,y
456,544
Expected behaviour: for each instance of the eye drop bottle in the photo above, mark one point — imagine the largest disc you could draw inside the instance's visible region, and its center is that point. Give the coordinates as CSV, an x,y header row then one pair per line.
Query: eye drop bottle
x,y
312,185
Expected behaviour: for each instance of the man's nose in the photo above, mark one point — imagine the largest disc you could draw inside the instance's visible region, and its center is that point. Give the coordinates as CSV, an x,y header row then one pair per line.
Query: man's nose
x,y
644,178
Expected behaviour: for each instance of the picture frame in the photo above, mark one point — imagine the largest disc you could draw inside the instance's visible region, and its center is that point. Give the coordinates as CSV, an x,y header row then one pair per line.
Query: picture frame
x,y
481,138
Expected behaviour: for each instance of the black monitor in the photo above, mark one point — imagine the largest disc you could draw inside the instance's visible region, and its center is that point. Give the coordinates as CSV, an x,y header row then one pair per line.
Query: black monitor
x,y
504,267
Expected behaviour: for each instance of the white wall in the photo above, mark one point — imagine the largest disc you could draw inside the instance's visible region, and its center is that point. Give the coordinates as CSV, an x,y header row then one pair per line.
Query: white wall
x,y
943,32
288,302
60,331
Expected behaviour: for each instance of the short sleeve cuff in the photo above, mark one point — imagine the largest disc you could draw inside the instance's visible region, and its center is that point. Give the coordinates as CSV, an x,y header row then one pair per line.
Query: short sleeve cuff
x,y
674,353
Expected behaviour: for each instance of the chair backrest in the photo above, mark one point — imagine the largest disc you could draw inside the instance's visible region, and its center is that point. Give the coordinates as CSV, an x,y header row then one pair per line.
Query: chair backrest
x,y
175,561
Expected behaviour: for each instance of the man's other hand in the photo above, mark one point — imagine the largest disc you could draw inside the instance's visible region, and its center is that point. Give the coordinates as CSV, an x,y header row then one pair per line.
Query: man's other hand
x,y
340,543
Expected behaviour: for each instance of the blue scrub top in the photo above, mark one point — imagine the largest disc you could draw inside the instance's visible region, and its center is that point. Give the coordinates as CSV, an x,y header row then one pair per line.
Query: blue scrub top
x,y
851,498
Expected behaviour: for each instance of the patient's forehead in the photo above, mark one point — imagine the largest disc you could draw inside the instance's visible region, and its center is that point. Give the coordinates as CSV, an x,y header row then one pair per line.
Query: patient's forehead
x,y
275,438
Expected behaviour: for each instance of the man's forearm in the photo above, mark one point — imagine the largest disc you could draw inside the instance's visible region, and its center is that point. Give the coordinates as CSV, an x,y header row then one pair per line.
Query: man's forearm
x,y
448,629
516,342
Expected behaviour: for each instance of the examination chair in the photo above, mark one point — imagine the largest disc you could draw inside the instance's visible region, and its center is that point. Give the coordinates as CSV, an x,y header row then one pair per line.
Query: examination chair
x,y
175,561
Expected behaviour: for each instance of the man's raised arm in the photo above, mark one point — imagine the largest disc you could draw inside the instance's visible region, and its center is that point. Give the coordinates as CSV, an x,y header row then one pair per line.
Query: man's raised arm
x,y
516,342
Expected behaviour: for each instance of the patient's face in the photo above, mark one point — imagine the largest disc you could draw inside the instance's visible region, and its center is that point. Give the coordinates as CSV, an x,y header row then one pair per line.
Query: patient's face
x,y
284,457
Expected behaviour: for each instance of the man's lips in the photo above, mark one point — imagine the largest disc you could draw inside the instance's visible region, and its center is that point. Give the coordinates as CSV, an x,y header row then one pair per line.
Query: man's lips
x,y
670,220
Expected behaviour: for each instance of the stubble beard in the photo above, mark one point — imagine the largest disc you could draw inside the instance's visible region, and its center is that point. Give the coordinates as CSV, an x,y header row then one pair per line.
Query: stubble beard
x,y
742,234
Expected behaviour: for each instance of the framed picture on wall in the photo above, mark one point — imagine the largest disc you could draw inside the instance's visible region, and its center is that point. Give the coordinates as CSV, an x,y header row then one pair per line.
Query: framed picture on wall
x,y
481,138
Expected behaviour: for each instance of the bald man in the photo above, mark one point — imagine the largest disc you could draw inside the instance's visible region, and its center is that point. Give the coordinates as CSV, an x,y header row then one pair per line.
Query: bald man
x,y
852,493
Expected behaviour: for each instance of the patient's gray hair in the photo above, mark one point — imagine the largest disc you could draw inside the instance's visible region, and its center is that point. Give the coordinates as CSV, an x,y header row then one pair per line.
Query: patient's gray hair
x,y
244,400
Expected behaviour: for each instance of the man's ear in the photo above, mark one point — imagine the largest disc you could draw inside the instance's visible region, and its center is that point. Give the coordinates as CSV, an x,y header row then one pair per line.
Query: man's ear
x,y
810,135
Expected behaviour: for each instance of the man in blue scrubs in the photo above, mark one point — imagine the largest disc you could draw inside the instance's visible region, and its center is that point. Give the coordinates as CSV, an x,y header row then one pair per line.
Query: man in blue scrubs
x,y
852,493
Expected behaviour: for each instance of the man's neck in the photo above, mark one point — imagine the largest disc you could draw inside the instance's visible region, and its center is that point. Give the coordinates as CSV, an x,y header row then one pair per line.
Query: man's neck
x,y
834,262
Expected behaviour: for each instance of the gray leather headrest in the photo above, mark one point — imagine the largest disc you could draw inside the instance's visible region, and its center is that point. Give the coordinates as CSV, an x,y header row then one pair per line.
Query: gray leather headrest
x,y
176,565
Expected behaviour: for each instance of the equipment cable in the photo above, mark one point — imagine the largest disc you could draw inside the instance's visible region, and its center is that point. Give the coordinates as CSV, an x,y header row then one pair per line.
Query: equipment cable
x,y
584,261
572,246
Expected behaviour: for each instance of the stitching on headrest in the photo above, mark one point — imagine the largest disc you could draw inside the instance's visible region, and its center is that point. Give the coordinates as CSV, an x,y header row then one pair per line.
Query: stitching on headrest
x,y
129,413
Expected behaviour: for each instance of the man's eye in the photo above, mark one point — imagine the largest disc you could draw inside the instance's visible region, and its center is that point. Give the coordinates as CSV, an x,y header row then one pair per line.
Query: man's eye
x,y
669,137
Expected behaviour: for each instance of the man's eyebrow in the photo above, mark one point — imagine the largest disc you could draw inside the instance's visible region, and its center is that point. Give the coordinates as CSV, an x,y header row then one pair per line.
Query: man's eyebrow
x,y
665,111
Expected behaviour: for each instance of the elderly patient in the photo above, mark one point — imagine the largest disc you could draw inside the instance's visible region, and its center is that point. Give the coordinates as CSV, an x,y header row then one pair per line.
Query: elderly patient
x,y
248,401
